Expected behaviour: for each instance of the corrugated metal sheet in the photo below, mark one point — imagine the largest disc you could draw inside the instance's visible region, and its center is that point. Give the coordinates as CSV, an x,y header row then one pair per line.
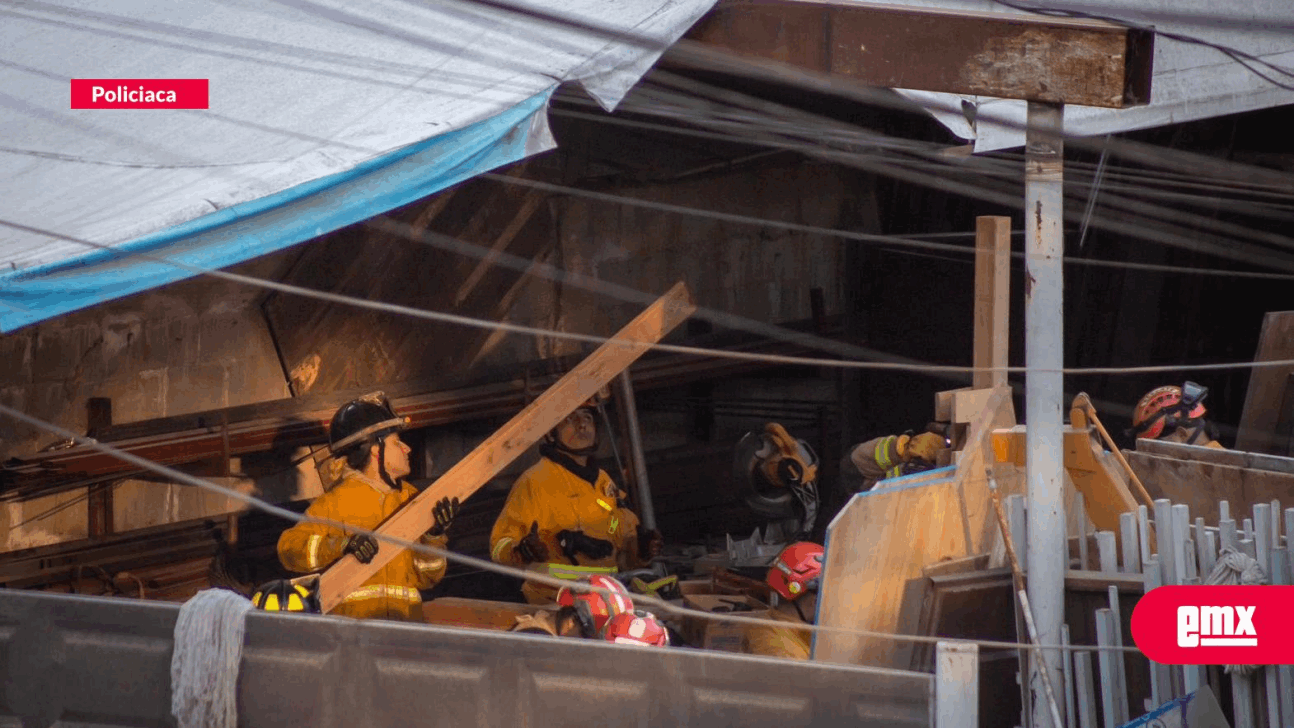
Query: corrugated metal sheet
x,y
106,662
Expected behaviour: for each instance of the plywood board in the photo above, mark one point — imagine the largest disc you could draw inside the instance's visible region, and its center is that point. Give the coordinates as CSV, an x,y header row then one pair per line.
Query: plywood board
x,y
1093,472
1216,456
476,613
883,538
1262,414
1201,485
960,405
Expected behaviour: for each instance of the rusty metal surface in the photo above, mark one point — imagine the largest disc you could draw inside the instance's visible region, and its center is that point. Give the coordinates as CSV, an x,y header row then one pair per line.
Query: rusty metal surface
x,y
106,662
1082,62
296,424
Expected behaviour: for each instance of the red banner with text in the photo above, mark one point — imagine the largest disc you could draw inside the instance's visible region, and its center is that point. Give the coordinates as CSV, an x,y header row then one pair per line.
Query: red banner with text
x,y
139,93
1216,625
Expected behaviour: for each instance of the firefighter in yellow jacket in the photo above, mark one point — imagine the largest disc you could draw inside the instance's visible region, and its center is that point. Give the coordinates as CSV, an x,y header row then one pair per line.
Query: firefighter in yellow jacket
x,y
795,576
365,432
566,518
892,456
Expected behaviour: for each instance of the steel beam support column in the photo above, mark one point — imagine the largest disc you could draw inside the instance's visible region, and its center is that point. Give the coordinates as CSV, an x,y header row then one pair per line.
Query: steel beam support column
x,y
637,458
1043,291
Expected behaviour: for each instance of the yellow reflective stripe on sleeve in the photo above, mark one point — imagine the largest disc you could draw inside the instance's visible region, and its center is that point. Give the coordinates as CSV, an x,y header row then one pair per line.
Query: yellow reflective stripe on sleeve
x,y
568,571
312,550
499,547
384,591
428,563
894,472
882,454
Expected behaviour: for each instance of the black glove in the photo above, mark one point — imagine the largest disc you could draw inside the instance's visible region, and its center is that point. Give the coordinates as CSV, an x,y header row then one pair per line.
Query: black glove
x,y
576,542
444,512
363,546
530,548
649,544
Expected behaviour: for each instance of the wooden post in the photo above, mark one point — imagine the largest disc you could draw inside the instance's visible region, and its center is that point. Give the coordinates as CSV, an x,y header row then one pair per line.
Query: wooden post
x,y
98,415
514,438
992,300
956,685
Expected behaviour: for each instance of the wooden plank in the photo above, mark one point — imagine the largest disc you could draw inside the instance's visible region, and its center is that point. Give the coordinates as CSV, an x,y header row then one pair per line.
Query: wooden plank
x,y
1107,553
1260,417
1202,485
514,438
1215,456
883,538
992,300
1131,549
957,685
476,613
960,405
986,54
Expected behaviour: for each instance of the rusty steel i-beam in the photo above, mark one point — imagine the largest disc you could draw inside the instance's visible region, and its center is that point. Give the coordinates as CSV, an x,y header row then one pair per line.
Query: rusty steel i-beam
x,y
1053,60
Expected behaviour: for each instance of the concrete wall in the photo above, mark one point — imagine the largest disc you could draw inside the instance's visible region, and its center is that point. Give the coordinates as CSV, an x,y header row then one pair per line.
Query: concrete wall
x,y
192,346
204,344
763,274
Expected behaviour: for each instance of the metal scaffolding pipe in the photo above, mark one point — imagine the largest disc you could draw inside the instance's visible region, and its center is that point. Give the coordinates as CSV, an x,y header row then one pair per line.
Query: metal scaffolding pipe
x,y
1044,358
636,456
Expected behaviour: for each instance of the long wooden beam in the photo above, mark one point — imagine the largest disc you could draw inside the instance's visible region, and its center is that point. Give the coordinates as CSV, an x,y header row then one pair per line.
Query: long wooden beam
x,y
992,301
1056,60
514,438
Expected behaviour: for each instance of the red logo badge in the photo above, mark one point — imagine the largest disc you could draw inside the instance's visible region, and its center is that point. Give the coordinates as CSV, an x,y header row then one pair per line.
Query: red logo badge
x,y
139,93
1216,625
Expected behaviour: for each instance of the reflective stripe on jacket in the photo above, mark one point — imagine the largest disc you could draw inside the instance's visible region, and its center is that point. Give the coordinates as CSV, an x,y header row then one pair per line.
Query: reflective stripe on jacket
x,y
391,593
559,500
877,459
791,642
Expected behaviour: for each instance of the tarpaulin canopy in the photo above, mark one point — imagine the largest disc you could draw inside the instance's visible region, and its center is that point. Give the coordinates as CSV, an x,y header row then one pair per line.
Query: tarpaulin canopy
x,y
321,113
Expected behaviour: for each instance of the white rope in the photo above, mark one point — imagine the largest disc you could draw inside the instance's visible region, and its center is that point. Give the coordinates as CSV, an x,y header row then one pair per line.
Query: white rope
x,y
204,664
1236,567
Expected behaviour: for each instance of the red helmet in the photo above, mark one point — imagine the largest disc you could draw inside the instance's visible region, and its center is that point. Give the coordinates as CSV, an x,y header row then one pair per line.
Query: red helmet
x,y
594,608
796,570
636,628
1163,410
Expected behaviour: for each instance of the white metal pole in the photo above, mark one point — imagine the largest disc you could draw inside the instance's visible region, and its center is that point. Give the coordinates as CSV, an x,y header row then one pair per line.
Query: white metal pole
x,y
1043,290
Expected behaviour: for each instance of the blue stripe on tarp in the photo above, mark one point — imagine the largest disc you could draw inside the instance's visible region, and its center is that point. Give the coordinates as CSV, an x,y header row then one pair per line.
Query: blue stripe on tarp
x,y
271,223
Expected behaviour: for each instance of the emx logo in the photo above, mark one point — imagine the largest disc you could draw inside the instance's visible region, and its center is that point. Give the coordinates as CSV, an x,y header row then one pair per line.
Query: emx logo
x,y
1215,625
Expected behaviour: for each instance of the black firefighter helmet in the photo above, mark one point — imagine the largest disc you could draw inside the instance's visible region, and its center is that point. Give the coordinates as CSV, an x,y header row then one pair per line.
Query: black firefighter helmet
x,y
364,422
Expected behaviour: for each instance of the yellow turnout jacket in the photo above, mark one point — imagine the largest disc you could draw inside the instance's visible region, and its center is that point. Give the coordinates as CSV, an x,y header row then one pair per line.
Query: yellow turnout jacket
x,y
554,496
360,501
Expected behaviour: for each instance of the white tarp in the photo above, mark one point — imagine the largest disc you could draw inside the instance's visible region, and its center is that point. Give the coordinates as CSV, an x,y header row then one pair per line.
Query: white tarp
x,y
1191,81
322,113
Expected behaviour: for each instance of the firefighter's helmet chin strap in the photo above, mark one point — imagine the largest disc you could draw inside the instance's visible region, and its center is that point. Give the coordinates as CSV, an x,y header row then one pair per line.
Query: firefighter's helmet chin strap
x,y
796,603
557,443
381,463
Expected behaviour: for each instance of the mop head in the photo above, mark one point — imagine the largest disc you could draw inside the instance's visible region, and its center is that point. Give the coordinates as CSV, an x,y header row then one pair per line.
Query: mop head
x,y
204,664
1235,567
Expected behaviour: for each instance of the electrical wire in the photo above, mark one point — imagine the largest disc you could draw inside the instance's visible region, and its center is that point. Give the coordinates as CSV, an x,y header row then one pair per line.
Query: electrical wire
x,y
482,564
673,348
